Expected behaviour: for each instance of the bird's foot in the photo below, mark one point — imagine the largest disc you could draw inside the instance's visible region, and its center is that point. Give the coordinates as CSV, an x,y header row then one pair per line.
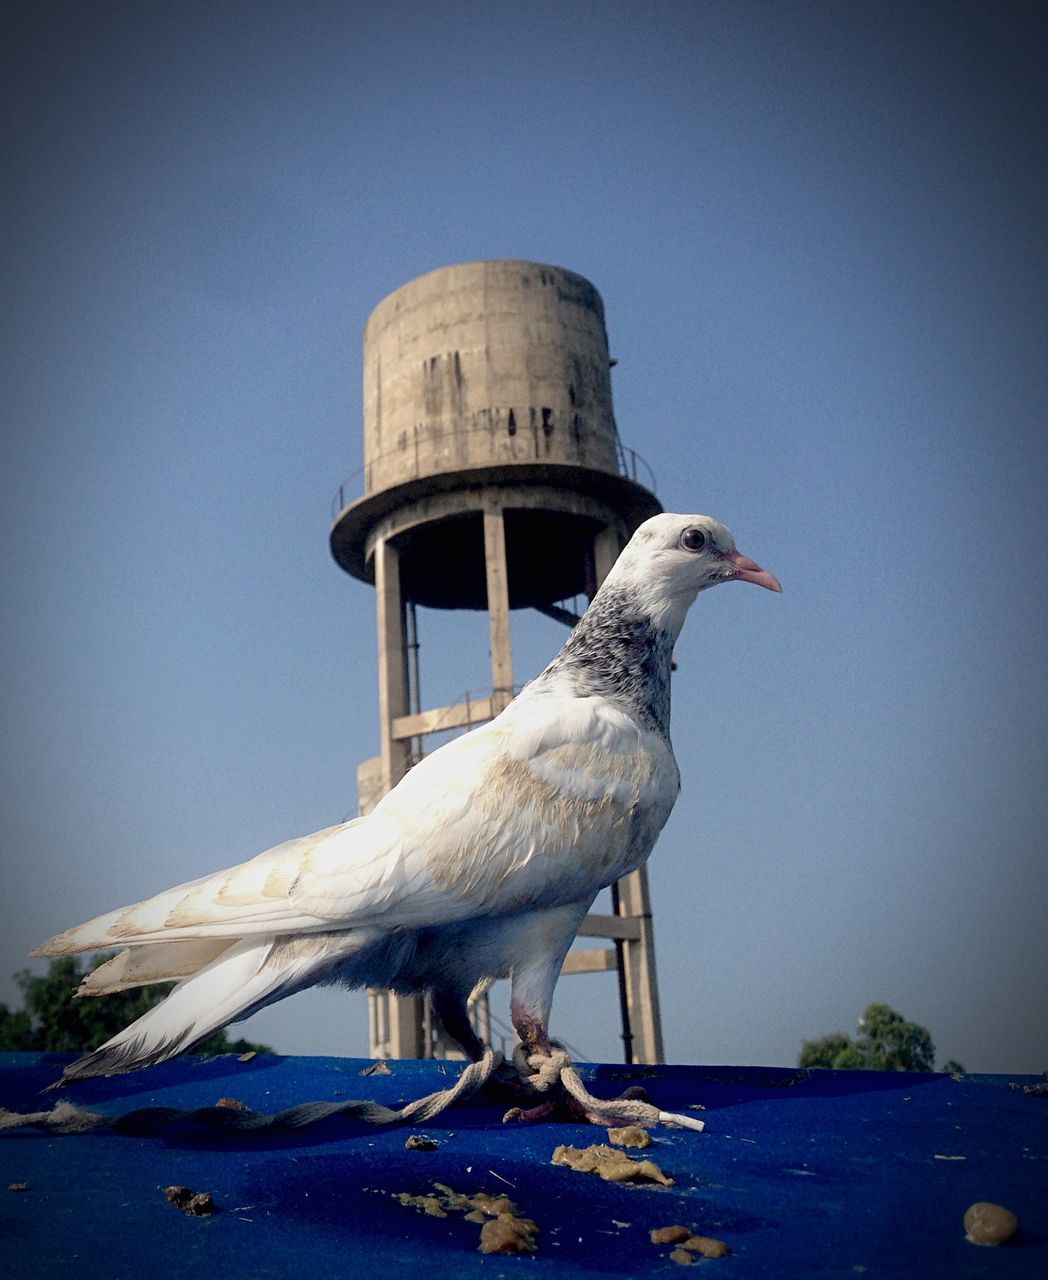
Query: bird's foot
x,y
564,1108
531,1115
538,1083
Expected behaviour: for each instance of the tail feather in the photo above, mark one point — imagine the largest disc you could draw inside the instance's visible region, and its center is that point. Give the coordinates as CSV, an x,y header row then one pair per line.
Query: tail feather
x,y
154,962
232,986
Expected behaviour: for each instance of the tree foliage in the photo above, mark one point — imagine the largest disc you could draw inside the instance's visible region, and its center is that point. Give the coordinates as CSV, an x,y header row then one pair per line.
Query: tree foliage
x,y
55,1021
886,1042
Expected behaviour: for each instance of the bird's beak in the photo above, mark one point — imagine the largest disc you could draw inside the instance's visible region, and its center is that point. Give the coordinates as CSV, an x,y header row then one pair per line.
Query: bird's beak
x,y
747,570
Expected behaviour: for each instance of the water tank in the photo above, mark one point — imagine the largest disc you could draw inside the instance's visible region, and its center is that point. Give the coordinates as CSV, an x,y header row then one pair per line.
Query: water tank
x,y
489,377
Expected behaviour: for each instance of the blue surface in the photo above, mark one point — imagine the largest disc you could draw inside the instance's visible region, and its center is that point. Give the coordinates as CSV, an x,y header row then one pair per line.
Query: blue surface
x,y
823,1173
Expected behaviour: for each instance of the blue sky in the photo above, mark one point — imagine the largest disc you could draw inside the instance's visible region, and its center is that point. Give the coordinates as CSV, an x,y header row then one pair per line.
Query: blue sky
x,y
819,232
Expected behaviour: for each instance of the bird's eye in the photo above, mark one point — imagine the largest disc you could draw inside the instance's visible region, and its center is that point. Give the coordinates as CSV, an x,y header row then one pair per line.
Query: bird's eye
x,y
693,540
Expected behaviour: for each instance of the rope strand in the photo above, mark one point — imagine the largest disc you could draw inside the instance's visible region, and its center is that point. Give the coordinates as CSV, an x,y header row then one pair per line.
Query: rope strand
x,y
539,1073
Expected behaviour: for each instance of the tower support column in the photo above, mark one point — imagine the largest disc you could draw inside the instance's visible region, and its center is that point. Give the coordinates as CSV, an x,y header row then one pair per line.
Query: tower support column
x,y
635,950
392,661
497,576
396,1021
637,971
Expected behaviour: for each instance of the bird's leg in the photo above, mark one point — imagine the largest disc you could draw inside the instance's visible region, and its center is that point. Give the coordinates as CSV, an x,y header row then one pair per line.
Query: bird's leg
x,y
453,1013
536,974
534,1038
550,934
530,1018
529,1013
531,1028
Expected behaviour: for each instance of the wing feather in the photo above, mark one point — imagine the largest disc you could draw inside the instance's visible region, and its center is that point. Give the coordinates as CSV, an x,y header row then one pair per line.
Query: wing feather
x,y
548,803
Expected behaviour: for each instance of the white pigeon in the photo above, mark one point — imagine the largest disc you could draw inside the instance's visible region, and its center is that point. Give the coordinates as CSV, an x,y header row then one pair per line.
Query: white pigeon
x,y
480,864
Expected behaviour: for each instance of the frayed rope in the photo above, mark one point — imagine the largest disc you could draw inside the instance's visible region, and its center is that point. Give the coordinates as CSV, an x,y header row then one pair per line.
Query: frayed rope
x,y
539,1073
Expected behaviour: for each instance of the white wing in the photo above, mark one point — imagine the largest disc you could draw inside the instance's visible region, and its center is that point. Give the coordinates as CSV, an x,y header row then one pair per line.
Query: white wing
x,y
551,801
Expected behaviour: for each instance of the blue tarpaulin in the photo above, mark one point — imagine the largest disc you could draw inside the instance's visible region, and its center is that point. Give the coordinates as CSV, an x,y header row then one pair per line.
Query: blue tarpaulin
x,y
800,1173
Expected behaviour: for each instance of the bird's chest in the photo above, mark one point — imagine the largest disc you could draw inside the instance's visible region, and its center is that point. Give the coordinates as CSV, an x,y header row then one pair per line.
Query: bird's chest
x,y
558,826
606,807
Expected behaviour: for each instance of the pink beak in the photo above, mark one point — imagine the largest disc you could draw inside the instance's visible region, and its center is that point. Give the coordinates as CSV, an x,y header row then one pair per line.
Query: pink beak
x,y
747,570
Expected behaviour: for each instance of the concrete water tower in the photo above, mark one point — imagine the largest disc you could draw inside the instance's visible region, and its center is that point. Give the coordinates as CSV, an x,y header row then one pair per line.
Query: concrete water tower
x,y
494,479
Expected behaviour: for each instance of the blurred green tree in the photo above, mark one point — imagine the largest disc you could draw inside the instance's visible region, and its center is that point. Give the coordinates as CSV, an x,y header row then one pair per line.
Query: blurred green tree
x,y
54,1021
886,1042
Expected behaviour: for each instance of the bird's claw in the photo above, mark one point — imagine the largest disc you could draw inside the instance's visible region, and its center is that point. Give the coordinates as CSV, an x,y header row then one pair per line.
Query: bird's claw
x,y
535,1085
635,1093
530,1115
568,1110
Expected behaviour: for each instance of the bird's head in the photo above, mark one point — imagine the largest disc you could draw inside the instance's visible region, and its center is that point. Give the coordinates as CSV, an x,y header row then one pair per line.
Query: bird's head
x,y
671,558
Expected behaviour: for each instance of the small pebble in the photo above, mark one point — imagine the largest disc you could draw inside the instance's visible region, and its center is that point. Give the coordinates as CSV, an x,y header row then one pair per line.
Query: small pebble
x,y
197,1204
707,1246
670,1235
419,1142
683,1257
630,1135
380,1068
508,1234
987,1223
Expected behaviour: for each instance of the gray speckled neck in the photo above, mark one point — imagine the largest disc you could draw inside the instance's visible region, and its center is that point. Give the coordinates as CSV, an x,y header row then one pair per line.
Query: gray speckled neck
x,y
616,652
